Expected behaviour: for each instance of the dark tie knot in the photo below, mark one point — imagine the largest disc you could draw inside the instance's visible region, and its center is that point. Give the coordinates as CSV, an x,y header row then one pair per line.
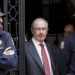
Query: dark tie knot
x,y
42,45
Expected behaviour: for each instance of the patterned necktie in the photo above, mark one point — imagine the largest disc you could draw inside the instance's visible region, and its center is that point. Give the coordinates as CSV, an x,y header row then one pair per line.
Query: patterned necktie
x,y
45,60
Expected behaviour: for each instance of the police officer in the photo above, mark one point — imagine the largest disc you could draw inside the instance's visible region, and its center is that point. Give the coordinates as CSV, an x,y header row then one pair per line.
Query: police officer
x,y
8,54
66,58
69,28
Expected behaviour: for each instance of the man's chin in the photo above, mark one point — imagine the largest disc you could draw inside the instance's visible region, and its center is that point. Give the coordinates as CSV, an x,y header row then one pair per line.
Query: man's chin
x,y
41,40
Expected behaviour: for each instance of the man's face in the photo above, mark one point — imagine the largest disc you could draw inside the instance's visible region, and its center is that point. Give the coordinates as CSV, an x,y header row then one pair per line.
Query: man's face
x,y
1,23
39,30
68,29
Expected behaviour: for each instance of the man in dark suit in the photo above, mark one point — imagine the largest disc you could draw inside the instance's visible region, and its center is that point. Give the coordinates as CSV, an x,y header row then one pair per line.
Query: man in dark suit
x,y
33,56
66,58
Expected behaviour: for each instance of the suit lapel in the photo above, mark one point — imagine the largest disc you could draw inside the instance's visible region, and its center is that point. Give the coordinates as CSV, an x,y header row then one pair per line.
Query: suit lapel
x,y
34,53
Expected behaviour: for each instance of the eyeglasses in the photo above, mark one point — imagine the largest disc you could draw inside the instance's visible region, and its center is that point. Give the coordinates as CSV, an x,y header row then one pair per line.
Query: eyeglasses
x,y
1,23
38,29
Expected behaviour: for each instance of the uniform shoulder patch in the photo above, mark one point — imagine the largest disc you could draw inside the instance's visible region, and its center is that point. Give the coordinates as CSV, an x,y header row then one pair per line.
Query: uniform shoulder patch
x,y
62,44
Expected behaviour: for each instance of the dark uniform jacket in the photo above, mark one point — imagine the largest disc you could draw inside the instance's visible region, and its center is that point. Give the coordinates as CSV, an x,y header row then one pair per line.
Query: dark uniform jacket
x,y
32,60
6,61
66,58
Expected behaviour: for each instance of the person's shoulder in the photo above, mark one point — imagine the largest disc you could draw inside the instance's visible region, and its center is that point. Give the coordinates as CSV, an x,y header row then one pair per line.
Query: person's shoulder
x,y
48,44
67,40
71,34
5,32
69,37
28,42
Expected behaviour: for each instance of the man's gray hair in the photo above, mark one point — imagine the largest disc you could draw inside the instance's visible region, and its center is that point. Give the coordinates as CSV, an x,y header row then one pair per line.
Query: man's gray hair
x,y
39,19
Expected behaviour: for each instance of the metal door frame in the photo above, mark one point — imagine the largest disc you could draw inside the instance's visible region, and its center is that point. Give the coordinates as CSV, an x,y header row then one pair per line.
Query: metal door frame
x,y
21,24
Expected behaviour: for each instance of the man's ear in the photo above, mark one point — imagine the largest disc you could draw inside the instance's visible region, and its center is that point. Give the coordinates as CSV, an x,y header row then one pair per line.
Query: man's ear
x,y
32,30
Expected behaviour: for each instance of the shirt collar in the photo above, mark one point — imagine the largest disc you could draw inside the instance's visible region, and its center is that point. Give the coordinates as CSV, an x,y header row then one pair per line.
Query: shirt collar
x,y
36,42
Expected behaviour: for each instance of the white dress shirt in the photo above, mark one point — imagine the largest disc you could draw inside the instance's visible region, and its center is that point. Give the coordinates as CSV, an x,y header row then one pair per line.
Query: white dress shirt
x,y
38,48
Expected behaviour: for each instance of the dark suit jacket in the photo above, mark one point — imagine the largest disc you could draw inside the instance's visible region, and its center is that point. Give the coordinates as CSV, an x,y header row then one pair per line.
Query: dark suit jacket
x,y
33,63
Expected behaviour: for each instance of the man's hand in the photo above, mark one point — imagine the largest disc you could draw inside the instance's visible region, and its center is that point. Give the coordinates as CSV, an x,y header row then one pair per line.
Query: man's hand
x,y
7,51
